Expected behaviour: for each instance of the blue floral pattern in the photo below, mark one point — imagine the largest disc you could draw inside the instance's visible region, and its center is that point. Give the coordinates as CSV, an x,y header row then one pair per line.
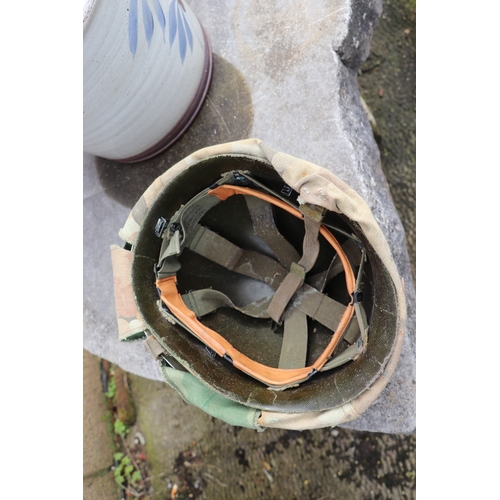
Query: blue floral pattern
x,y
178,25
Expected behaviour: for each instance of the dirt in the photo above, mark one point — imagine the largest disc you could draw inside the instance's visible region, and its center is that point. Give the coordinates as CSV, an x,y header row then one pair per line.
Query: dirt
x,y
193,455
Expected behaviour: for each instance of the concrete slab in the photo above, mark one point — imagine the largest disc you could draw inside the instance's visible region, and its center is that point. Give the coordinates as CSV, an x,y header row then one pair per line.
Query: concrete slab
x,y
284,72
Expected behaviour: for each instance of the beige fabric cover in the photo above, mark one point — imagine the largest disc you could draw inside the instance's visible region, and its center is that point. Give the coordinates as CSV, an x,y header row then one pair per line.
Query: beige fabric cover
x,y
128,318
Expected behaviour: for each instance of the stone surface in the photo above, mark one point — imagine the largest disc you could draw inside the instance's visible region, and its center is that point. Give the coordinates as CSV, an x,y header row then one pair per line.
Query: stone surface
x,y
284,72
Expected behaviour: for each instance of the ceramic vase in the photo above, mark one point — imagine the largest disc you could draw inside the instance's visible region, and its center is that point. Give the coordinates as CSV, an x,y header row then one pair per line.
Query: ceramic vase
x,y
147,66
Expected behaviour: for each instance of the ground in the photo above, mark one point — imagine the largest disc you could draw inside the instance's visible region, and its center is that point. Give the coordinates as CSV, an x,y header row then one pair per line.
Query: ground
x,y
197,456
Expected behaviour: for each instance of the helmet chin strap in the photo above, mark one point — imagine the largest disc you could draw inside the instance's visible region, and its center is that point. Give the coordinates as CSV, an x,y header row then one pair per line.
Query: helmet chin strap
x,y
288,302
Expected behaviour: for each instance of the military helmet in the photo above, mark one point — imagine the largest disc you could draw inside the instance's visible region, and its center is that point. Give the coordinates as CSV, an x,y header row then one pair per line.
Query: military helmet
x,y
263,286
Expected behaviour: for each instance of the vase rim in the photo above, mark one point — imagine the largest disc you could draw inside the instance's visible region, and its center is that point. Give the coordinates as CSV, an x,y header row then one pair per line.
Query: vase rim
x,y
88,5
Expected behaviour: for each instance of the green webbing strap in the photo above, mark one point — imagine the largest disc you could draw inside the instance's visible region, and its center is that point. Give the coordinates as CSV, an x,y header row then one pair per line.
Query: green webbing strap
x,y
295,278
350,353
358,327
173,246
264,226
295,333
247,262
318,281
362,325
206,301
182,225
310,301
255,265
351,249
207,243
307,302
185,221
358,307
294,346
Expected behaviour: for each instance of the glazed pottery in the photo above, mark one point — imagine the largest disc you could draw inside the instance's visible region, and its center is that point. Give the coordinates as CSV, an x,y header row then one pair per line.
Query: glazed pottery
x,y
147,66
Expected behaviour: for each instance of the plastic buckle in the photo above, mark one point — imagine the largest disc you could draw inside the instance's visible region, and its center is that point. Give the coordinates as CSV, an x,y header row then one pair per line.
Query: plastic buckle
x,y
210,351
176,226
240,178
161,224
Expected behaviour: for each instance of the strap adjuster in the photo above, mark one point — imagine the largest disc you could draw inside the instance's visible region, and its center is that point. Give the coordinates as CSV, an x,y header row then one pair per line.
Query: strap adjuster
x,y
314,212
